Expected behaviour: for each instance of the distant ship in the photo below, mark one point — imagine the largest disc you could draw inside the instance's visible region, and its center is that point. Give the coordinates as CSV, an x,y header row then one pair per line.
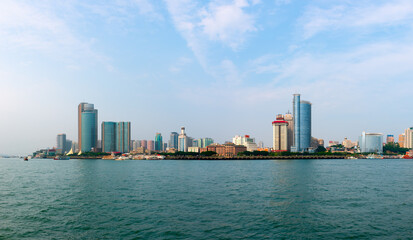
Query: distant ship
x,y
62,158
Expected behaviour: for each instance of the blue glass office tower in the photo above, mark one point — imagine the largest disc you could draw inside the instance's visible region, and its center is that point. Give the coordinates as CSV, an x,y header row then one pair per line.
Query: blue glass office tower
x,y
305,125
158,142
296,116
108,137
87,127
302,124
173,140
123,136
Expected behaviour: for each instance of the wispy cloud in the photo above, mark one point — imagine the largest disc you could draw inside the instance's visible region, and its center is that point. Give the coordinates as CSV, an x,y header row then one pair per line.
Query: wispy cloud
x,y
356,15
203,25
227,23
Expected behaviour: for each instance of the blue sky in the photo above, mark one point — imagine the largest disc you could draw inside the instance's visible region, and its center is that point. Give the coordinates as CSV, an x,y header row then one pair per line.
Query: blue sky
x,y
219,68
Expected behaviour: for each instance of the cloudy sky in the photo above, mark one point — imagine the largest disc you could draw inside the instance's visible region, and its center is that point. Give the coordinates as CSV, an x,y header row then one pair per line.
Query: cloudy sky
x,y
219,68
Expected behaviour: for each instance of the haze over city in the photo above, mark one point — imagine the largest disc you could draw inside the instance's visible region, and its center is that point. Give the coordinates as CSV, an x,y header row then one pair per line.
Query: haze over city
x,y
219,68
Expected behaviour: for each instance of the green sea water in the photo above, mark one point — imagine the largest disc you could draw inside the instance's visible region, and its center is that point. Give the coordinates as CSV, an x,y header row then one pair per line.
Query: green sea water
x,y
301,199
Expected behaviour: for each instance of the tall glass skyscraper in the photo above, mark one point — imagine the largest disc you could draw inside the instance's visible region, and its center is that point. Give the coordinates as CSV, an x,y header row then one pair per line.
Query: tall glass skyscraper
x,y
173,141
61,143
108,137
305,125
302,124
296,116
87,127
123,136
158,142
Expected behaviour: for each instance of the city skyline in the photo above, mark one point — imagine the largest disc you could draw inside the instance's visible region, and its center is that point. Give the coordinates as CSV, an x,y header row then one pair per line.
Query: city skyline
x,y
220,68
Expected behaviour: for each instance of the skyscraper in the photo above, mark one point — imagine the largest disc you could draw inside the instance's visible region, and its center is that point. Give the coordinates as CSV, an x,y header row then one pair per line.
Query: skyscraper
x,y
144,144
173,140
61,143
305,125
158,142
183,141
123,136
296,116
108,136
87,127
280,134
151,144
402,138
288,117
302,124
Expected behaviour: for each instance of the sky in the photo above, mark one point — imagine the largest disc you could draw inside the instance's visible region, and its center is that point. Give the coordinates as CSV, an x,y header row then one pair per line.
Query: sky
x,y
220,67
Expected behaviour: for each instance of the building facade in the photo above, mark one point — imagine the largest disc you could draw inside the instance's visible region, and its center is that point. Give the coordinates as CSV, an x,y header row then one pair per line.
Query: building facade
x,y
401,140
390,139
173,140
61,143
290,130
408,138
296,116
123,137
151,145
87,127
158,142
183,141
280,134
371,142
305,125
108,137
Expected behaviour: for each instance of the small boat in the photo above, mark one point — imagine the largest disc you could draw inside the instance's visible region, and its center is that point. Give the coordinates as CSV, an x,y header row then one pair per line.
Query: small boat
x,y
407,157
26,159
62,158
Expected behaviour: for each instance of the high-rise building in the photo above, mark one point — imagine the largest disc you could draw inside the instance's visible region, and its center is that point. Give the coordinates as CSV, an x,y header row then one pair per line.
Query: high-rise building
x,y
305,125
280,134
183,141
158,142
151,144
296,116
288,117
390,139
68,145
371,142
205,142
87,127
401,140
108,137
144,144
123,136
173,140
165,146
61,143
408,138
302,124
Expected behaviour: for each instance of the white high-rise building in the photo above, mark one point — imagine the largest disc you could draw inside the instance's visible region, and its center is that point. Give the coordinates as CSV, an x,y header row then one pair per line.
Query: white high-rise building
x,y
408,138
183,141
280,134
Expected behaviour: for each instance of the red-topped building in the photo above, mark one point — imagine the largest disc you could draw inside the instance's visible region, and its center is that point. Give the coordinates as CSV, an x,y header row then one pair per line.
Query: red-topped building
x,y
280,134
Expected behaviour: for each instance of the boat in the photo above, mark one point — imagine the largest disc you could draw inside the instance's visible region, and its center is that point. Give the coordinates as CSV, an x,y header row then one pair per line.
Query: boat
x,y
26,159
407,157
62,158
